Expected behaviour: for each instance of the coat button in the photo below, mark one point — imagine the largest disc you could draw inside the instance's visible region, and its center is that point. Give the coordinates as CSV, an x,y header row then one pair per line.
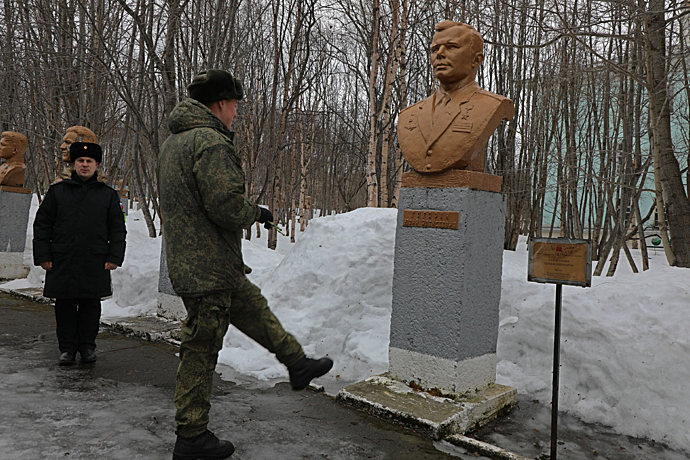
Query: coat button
x,y
429,152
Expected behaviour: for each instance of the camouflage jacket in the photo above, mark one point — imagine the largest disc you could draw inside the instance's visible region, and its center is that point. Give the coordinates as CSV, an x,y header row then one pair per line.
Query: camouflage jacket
x,y
201,190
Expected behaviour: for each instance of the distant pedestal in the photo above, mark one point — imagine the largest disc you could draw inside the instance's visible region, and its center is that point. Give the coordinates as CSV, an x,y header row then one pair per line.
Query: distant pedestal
x,y
170,305
15,203
445,307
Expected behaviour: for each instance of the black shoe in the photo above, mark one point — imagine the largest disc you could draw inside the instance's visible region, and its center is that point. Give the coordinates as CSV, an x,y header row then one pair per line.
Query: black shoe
x,y
67,358
206,446
88,356
307,369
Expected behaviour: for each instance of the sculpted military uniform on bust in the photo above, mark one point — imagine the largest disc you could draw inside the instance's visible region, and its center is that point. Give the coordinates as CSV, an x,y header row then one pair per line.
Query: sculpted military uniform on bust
x,y
449,129
12,148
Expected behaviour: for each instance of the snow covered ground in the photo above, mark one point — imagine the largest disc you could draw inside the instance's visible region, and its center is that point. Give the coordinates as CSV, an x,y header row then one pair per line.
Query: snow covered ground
x,y
624,342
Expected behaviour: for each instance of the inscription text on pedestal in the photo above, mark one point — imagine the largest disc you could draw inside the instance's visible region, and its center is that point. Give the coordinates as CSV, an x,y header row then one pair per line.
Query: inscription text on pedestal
x,y
432,219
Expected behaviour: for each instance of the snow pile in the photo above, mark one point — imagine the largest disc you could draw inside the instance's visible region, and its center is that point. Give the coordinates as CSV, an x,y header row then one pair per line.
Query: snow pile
x,y
135,284
623,342
333,293
624,346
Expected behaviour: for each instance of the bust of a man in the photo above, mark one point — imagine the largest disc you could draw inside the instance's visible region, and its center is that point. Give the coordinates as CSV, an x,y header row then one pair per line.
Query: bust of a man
x,y
75,134
450,128
12,148
72,135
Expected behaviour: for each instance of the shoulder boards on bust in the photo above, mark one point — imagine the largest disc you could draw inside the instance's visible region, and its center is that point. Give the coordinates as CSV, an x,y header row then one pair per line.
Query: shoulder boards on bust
x,y
411,106
484,92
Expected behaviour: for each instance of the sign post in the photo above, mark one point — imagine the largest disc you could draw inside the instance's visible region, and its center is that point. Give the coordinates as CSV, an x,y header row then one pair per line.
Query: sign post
x,y
556,373
559,261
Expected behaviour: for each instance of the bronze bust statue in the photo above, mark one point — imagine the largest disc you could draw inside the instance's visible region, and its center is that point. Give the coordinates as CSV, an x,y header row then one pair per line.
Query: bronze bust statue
x,y
450,129
72,135
12,148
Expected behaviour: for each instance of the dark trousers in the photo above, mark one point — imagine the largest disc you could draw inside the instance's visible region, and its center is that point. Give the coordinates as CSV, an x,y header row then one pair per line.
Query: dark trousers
x,y
77,323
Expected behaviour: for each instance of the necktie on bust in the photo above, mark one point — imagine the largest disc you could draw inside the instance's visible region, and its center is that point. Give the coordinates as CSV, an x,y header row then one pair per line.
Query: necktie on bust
x,y
441,104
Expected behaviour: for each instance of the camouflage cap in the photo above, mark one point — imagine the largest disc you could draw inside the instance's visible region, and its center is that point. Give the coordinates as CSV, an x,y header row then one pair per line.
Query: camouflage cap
x,y
85,149
215,85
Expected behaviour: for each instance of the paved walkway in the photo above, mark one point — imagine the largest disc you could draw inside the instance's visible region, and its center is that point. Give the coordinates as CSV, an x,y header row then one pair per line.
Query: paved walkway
x,y
121,408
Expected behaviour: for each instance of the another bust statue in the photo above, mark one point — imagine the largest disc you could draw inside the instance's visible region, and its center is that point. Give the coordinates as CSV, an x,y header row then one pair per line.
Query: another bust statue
x,y
450,129
12,148
72,135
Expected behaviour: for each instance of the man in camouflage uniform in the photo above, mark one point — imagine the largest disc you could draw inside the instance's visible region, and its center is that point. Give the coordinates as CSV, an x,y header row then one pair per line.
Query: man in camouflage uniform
x,y
201,187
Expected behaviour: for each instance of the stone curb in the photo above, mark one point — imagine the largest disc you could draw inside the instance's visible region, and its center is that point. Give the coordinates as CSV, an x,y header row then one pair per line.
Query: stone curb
x,y
27,295
149,328
482,448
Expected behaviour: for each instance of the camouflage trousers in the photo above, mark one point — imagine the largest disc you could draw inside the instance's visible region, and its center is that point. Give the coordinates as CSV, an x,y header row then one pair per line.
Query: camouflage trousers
x,y
207,321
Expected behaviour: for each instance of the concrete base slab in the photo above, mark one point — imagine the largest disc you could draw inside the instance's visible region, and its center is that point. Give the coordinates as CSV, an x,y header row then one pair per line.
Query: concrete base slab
x,y
437,417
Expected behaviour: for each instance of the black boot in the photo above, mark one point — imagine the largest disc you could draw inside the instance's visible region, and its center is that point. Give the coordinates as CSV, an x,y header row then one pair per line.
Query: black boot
x,y
67,358
306,369
206,446
88,356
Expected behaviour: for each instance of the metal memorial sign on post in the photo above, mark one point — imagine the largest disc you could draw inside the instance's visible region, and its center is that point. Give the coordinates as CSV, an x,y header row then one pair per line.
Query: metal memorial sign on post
x,y
559,261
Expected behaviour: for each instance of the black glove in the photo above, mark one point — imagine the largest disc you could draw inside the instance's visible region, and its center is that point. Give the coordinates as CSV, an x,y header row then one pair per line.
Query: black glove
x,y
265,218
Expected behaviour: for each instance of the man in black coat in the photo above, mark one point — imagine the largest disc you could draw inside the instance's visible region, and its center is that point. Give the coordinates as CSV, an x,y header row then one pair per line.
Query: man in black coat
x,y
79,236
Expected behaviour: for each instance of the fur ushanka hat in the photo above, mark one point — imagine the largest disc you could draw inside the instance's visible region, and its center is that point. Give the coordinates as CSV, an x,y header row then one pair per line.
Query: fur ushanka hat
x,y
85,149
215,85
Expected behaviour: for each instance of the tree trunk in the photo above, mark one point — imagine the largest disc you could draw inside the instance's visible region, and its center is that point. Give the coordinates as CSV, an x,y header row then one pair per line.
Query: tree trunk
x,y
677,206
402,57
372,180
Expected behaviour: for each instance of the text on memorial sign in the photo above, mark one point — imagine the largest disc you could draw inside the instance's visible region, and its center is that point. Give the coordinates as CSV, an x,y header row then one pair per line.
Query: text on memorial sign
x,y
431,219
560,261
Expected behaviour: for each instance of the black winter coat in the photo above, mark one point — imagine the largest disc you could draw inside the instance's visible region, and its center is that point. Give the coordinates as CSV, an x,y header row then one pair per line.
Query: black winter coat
x,y
79,227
